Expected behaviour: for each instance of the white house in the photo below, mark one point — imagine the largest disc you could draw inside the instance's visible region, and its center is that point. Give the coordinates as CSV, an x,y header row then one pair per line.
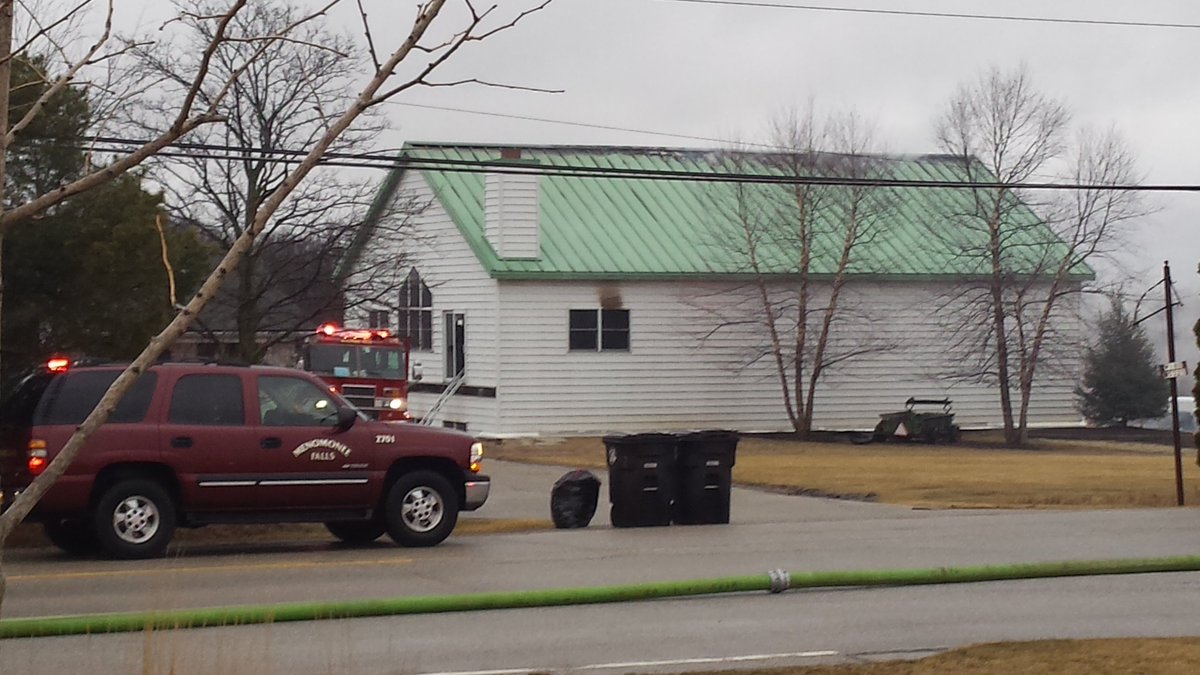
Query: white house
x,y
579,304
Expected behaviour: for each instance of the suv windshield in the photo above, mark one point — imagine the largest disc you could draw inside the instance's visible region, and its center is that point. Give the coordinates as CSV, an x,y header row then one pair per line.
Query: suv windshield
x,y
384,362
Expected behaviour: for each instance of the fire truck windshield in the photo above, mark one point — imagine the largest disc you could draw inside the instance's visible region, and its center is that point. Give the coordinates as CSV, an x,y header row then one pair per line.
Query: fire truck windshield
x,y
342,360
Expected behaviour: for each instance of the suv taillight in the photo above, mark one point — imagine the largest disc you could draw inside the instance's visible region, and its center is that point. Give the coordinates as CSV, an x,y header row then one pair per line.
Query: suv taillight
x,y
37,456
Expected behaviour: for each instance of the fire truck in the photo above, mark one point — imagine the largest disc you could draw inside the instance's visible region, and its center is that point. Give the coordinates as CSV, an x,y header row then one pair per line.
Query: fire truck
x,y
368,367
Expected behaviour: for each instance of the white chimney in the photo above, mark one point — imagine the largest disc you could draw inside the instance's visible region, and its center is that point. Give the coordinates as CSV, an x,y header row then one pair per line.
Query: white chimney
x,y
511,214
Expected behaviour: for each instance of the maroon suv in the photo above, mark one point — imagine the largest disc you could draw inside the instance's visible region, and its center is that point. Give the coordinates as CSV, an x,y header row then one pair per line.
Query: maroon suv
x,y
192,444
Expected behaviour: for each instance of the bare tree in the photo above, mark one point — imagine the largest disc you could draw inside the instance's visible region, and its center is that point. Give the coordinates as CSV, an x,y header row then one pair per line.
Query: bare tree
x,y
282,101
418,50
1032,254
798,243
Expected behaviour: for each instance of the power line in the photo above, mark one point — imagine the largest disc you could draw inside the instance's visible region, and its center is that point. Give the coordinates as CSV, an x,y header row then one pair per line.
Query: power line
x,y
941,15
388,161
586,125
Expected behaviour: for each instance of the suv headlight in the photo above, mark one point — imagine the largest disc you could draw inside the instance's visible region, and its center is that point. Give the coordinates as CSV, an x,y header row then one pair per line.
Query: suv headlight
x,y
476,458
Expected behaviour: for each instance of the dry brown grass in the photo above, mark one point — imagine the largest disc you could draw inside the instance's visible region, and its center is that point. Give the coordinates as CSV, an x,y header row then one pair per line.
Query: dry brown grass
x,y
1179,656
1052,474
1167,656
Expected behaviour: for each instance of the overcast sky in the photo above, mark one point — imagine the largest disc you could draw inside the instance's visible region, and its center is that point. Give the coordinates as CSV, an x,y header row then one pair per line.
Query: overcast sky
x,y
722,72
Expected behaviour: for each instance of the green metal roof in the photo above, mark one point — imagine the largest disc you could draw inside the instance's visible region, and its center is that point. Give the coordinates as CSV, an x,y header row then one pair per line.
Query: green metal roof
x,y
622,228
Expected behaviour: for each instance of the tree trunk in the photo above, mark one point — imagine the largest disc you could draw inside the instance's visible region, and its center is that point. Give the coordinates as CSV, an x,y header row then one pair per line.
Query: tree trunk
x,y
999,327
802,408
247,312
371,95
1000,334
6,29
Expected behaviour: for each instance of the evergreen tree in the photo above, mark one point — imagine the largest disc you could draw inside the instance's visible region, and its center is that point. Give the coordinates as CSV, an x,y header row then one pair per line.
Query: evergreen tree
x,y
87,277
1121,381
44,156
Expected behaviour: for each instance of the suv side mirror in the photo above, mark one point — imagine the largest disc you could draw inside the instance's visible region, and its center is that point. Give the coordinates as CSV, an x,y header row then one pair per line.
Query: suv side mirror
x,y
345,418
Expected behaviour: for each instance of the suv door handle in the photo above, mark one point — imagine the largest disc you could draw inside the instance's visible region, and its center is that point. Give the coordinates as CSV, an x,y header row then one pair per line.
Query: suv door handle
x,y
271,442
181,442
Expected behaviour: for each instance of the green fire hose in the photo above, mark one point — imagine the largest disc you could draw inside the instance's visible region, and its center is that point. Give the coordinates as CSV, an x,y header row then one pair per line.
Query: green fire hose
x,y
775,581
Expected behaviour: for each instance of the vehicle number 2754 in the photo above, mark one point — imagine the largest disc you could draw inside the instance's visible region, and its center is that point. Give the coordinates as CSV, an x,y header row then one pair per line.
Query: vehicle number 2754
x,y
385,438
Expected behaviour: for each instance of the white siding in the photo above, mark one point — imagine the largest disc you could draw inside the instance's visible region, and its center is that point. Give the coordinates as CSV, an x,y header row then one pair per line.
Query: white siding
x,y
679,374
908,316
511,214
458,284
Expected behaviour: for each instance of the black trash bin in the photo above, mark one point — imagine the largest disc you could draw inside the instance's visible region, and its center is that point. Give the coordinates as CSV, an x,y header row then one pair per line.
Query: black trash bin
x,y
641,479
573,499
706,460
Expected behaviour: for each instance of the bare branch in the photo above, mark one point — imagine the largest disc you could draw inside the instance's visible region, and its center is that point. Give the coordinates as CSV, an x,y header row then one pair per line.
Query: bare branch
x,y
43,30
166,260
103,175
456,43
63,80
272,39
189,98
485,83
511,24
368,36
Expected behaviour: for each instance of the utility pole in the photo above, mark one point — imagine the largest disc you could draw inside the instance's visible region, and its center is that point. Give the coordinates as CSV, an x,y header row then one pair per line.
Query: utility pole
x,y
1174,386
6,56
6,29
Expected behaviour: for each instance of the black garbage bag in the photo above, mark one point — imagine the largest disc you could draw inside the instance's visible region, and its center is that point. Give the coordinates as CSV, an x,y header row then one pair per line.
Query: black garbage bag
x,y
573,499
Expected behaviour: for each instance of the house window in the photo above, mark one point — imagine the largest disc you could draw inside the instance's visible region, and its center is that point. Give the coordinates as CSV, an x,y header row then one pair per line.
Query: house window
x,y
599,330
377,318
416,312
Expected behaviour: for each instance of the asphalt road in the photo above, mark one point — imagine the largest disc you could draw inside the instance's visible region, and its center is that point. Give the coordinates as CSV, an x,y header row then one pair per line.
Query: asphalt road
x,y
747,630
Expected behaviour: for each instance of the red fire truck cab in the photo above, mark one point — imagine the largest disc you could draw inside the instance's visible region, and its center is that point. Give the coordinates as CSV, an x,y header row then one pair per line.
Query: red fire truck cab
x,y
368,367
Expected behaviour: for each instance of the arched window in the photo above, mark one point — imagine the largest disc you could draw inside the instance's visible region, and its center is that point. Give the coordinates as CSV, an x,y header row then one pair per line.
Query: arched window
x,y
416,312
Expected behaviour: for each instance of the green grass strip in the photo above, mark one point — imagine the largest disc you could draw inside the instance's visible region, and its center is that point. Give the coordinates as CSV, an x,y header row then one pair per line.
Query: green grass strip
x,y
124,622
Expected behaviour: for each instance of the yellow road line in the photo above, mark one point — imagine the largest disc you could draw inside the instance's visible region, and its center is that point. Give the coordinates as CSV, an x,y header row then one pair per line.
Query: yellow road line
x,y
218,569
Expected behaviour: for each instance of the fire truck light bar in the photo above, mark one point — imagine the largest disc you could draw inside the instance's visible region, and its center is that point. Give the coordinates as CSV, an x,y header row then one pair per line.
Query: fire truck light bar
x,y
331,330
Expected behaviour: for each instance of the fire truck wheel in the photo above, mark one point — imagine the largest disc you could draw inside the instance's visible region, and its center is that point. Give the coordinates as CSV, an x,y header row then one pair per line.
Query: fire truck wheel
x,y
134,519
75,537
421,509
356,532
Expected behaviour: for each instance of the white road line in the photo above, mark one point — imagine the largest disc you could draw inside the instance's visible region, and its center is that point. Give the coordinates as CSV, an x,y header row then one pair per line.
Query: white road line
x,y
511,671
648,664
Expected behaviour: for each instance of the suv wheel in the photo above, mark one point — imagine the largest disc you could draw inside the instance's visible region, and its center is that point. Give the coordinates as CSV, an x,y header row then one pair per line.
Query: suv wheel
x,y
356,532
421,509
75,537
135,519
